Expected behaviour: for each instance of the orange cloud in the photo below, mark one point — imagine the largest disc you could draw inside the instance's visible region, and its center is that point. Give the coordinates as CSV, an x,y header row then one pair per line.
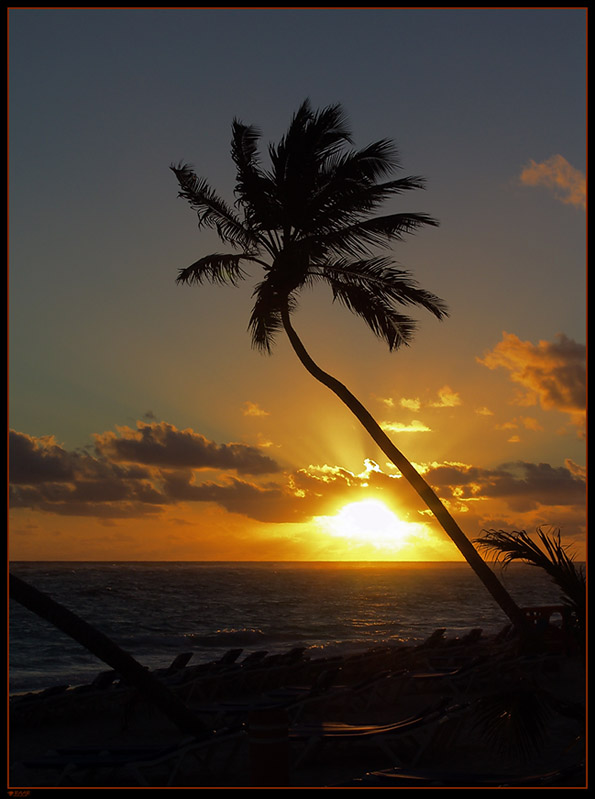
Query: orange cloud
x,y
398,427
484,411
551,373
447,398
576,469
530,423
252,409
411,404
46,478
567,183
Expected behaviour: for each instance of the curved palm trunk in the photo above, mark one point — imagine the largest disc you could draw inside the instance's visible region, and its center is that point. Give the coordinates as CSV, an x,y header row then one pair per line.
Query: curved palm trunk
x,y
458,537
100,645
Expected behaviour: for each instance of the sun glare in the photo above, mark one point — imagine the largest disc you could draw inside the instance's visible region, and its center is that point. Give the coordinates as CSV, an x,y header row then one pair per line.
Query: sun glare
x,y
370,522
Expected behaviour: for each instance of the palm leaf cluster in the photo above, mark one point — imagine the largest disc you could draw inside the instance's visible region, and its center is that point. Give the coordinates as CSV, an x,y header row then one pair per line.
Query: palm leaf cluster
x,y
308,218
514,721
552,556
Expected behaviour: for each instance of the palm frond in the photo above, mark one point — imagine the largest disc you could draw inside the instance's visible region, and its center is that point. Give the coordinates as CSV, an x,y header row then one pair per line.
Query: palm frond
x,y
216,268
360,237
378,313
381,277
514,720
340,203
367,165
298,158
212,211
253,191
313,136
552,557
265,319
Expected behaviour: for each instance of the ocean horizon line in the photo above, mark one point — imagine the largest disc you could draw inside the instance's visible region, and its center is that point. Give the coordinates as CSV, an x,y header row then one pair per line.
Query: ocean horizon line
x,y
214,562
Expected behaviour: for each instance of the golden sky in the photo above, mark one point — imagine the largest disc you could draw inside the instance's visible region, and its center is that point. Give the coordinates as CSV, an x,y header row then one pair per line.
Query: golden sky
x,y
154,491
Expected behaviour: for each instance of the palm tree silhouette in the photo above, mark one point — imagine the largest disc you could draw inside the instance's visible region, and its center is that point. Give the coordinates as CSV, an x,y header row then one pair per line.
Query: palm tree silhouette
x,y
310,219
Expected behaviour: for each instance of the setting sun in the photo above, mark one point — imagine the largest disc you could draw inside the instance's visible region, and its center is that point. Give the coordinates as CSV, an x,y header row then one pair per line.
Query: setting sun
x,y
370,522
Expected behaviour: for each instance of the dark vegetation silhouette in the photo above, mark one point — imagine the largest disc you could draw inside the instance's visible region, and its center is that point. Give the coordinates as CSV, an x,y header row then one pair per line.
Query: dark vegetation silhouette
x,y
551,555
310,219
514,717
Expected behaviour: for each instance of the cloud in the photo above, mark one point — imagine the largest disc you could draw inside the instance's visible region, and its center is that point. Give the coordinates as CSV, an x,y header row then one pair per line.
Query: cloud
x,y
567,183
414,426
127,476
35,460
447,398
527,422
522,485
530,423
162,444
302,495
270,503
484,411
41,460
411,404
576,469
252,409
551,373
48,478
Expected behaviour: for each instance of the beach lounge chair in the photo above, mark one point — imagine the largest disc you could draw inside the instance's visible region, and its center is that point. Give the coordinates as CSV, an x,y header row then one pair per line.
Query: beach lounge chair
x,y
204,682
472,637
270,671
375,690
417,727
293,693
253,658
433,640
134,763
53,690
289,658
291,698
103,681
229,657
455,681
216,666
178,663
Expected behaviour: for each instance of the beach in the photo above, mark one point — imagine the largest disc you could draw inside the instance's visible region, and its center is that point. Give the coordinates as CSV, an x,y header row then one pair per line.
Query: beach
x,y
274,706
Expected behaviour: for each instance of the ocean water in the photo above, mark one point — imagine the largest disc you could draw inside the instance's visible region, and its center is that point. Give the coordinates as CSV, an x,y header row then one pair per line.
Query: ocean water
x,y
156,610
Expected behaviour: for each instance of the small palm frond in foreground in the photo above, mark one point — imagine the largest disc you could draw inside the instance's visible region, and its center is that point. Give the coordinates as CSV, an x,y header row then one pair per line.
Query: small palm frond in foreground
x,y
514,721
552,556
